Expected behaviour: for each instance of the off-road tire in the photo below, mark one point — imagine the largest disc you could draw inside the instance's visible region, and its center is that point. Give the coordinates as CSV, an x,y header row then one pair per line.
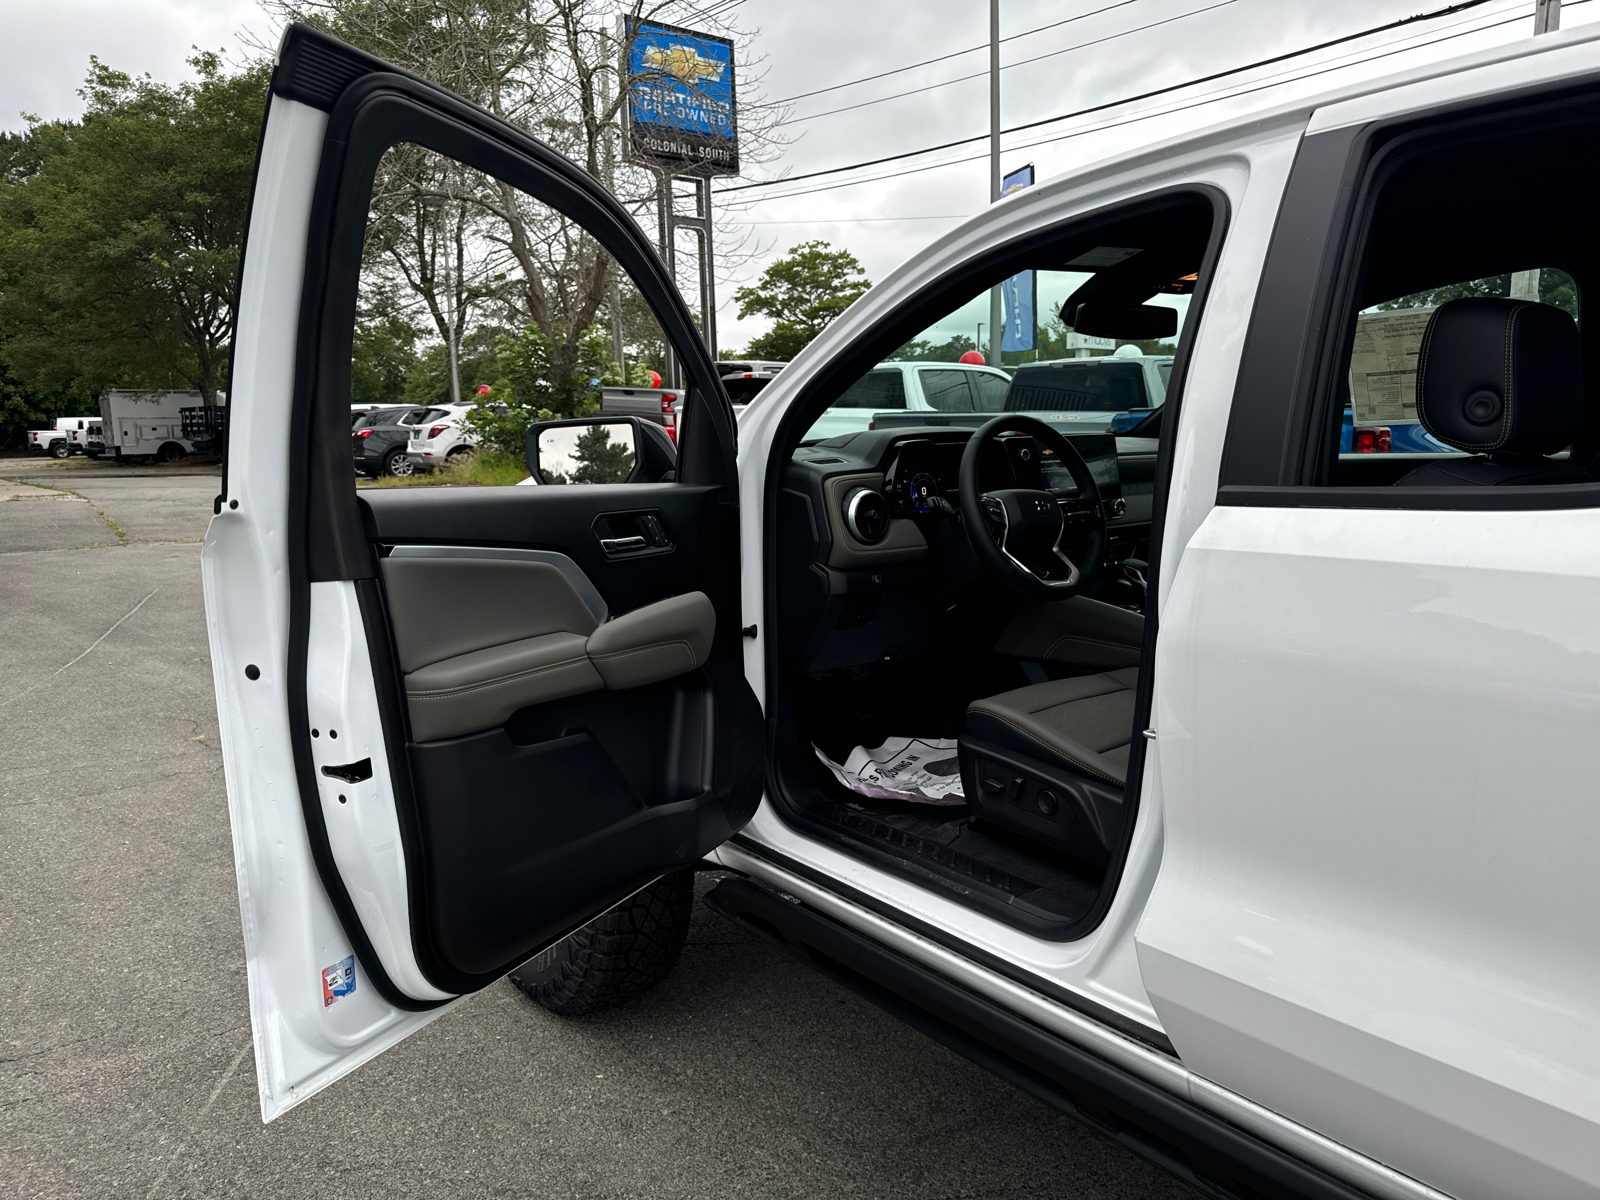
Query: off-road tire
x,y
617,955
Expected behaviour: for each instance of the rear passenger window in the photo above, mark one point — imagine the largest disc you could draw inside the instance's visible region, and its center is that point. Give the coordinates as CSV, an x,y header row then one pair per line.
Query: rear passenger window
x,y
992,391
876,389
946,391
1438,351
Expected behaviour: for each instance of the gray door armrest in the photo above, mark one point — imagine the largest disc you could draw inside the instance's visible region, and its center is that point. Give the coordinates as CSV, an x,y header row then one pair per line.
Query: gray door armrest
x,y
655,642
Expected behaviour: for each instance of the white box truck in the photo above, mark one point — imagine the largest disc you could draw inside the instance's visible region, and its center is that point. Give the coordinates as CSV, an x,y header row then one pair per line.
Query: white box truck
x,y
147,424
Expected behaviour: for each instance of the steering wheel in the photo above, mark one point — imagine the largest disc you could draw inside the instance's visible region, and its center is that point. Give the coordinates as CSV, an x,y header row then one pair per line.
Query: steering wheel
x,y
1018,533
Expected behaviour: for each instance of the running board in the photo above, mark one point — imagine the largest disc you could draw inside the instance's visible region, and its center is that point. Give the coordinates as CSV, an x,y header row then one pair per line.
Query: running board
x,y
1204,1150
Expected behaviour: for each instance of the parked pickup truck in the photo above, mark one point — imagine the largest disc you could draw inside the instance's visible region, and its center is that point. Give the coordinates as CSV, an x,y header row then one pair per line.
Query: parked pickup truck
x,y
54,441
651,403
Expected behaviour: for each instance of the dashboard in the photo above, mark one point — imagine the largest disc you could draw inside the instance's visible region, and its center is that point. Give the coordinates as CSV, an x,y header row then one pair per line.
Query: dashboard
x,y
871,552
923,471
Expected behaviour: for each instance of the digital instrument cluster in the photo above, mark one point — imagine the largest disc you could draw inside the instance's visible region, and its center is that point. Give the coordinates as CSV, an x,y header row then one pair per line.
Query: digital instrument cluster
x,y
924,475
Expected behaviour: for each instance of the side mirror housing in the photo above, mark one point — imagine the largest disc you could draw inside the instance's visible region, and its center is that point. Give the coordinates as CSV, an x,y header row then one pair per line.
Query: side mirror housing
x,y
599,449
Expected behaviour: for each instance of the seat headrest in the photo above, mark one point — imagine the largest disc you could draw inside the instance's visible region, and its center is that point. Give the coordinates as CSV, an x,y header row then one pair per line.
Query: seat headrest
x,y
1501,376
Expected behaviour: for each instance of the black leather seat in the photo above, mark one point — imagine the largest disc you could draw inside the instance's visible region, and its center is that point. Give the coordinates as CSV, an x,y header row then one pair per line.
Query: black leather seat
x,y
1502,379
1083,724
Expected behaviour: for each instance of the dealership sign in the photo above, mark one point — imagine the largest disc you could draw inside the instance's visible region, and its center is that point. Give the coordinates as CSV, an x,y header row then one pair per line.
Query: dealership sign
x,y
681,107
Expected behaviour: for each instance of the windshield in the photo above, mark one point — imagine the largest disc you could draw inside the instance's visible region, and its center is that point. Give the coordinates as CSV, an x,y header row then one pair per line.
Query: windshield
x,y
944,376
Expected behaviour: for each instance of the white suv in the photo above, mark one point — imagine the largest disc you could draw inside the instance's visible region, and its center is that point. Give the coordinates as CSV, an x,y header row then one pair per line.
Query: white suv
x,y
1281,873
435,443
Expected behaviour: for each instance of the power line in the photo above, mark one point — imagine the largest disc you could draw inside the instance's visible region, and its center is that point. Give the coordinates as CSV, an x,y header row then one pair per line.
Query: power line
x,y
928,62
1162,91
1145,116
1019,63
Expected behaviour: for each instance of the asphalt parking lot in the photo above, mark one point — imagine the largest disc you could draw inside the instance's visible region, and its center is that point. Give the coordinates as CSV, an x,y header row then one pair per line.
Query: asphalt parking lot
x,y
124,1033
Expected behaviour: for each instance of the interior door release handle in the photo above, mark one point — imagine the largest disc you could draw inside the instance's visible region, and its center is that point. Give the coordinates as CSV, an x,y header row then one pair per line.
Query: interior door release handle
x,y
612,545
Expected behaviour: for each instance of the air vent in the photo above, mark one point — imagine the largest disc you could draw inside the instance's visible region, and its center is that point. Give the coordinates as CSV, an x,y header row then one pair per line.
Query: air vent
x,y
866,515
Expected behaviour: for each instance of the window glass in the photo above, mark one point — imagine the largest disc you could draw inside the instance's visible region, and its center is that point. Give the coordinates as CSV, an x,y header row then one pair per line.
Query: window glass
x,y
992,391
1086,386
876,389
946,391
474,294
1380,399
1082,382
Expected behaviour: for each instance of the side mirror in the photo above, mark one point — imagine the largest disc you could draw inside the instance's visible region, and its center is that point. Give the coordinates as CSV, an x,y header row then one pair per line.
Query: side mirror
x,y
599,450
1130,322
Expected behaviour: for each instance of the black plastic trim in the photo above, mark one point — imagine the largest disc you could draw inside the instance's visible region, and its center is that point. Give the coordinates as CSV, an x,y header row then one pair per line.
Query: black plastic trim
x,y
1471,499
881,337
1193,1144
1048,988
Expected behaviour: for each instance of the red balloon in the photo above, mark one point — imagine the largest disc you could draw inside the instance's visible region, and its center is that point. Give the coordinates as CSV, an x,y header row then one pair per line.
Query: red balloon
x,y
974,358
655,379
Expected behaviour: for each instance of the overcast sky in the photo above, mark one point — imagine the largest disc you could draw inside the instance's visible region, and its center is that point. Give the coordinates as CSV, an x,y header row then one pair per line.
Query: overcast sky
x,y
802,47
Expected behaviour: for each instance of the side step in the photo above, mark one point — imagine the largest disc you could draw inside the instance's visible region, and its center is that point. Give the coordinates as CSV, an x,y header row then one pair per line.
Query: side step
x,y
1197,1147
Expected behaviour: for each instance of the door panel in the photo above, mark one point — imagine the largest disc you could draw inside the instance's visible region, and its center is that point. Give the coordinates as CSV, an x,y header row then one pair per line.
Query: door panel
x,y
1376,733
423,792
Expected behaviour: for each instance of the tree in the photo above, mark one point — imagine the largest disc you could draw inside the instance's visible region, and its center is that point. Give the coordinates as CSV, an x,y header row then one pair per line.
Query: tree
x,y
119,243
471,246
1556,287
803,294
599,459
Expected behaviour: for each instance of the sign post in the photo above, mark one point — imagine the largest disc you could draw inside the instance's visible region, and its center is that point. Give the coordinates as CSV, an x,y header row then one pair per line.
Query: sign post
x,y
682,123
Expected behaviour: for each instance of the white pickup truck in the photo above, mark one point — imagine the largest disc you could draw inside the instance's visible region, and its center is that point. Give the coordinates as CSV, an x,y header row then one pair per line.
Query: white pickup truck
x,y
55,441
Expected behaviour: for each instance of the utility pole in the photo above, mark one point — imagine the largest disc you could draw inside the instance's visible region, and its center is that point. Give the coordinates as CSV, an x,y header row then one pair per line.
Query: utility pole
x,y
1546,16
996,317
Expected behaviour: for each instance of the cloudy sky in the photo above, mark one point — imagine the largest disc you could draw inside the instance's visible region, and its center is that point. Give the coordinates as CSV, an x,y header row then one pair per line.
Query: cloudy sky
x,y
1093,51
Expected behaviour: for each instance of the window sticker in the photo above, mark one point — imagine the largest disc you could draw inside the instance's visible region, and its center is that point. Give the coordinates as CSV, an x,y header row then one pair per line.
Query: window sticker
x,y
1383,365
338,980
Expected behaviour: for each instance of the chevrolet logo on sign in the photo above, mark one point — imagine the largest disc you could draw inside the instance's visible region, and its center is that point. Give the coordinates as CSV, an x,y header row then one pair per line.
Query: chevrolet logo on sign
x,y
685,63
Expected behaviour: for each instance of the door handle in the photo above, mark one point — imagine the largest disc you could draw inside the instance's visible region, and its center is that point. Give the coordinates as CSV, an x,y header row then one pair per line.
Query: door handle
x,y
615,545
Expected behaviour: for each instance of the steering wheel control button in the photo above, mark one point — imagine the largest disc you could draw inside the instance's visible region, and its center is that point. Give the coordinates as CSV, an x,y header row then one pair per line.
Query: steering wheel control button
x,y
1047,802
866,515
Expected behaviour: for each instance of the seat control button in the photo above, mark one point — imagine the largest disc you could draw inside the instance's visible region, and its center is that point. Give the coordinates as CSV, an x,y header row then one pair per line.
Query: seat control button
x,y
1016,787
993,785
1047,802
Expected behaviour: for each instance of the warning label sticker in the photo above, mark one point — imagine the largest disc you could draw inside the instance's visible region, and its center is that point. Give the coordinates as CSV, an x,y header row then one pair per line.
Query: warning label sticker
x,y
338,980
1383,366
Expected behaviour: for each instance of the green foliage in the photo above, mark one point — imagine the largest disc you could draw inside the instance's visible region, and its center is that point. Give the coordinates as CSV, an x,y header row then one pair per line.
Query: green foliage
x,y
1555,287
23,407
531,386
120,236
599,459
484,469
803,294
925,351
382,358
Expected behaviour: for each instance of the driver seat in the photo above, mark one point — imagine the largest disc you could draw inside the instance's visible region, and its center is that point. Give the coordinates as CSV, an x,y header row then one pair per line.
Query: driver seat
x,y
1049,760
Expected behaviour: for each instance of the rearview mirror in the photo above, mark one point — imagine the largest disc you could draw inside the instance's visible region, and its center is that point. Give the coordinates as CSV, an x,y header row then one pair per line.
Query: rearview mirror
x,y
599,450
1131,322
